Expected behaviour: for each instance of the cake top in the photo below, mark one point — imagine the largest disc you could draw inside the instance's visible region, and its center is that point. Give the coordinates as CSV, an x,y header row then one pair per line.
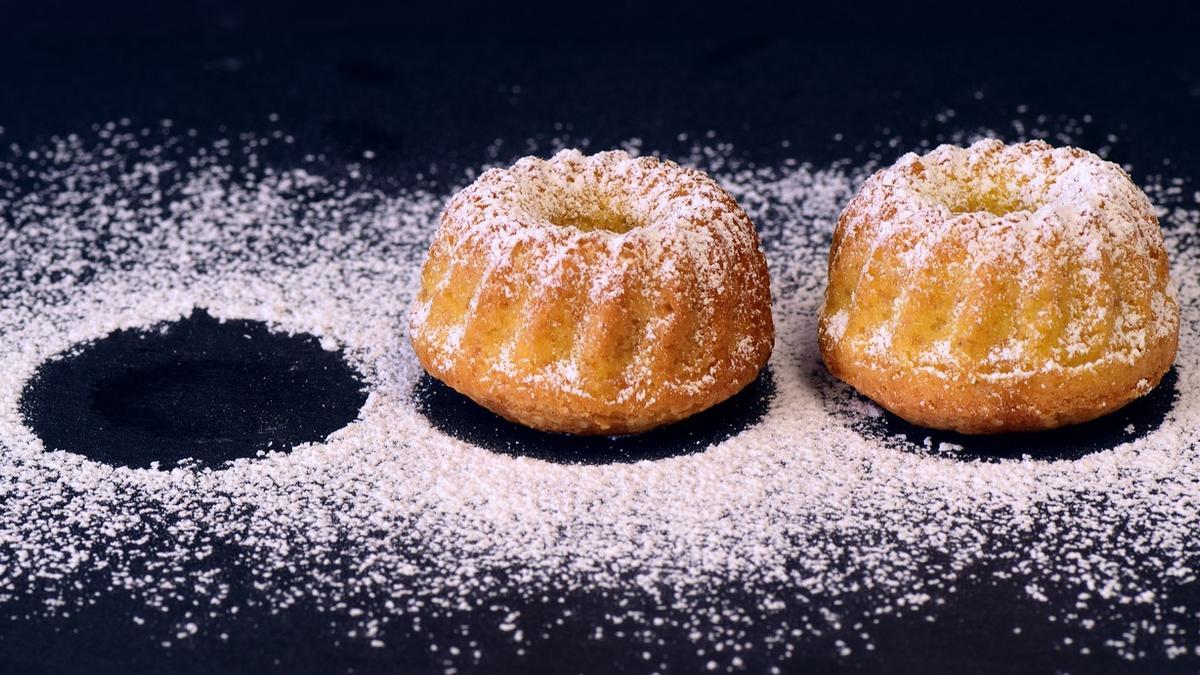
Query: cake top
x,y
999,196
609,201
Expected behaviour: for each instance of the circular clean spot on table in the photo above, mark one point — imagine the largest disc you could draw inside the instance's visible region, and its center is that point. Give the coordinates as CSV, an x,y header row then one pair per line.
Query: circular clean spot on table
x,y
196,389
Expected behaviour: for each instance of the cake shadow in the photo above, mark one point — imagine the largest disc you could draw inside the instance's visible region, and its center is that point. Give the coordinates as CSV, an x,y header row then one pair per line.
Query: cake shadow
x,y
1134,421
456,415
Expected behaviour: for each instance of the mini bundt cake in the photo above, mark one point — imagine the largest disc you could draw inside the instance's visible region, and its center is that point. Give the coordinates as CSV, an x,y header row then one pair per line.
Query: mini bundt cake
x,y
999,288
601,294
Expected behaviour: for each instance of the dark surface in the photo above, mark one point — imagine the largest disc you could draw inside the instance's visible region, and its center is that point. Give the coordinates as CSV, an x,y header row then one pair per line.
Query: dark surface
x,y
458,416
1133,421
435,87
195,389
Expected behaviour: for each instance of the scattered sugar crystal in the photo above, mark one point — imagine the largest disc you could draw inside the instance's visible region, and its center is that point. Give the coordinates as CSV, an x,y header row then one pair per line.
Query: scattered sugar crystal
x,y
821,529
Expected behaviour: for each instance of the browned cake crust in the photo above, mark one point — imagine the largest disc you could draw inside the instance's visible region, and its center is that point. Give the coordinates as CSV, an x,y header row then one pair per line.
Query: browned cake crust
x,y
599,294
999,288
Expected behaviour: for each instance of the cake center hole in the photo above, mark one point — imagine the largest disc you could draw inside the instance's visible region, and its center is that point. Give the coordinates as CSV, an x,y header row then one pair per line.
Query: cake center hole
x,y
197,390
997,195
994,202
607,219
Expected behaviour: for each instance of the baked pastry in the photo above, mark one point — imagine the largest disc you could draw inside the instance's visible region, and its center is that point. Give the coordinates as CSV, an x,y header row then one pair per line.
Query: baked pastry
x,y
999,288
601,294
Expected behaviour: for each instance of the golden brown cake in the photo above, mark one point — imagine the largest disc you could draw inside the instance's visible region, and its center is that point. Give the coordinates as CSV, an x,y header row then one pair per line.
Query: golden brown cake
x,y
999,288
601,294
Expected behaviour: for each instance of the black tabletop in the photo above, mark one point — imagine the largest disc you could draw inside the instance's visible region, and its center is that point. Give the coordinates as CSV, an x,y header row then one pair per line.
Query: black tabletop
x,y
433,86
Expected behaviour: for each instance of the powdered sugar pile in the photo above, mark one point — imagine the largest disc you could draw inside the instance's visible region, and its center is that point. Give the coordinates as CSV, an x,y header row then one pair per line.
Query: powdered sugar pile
x,y
799,534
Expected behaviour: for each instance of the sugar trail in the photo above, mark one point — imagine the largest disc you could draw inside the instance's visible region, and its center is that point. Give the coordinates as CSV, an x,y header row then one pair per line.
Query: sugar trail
x,y
819,531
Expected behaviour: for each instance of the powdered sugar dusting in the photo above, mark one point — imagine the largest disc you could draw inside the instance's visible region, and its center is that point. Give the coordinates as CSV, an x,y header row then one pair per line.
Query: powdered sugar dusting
x,y
1016,213
576,266
823,533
